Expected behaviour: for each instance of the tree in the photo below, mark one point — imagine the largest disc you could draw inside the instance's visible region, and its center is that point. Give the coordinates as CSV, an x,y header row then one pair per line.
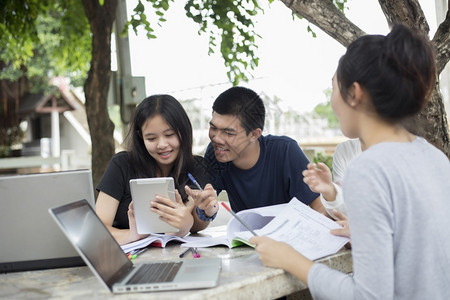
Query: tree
x,y
41,39
101,18
432,122
35,42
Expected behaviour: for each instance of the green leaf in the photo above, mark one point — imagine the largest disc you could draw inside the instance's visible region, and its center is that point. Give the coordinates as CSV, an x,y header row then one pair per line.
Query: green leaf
x,y
311,31
165,5
139,7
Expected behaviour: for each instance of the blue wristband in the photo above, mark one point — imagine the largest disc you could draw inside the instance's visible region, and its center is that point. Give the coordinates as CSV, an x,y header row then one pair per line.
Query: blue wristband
x,y
201,215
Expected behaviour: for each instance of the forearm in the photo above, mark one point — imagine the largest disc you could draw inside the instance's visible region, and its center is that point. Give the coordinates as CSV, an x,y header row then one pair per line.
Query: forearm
x,y
316,204
122,236
298,265
337,203
330,192
198,224
203,203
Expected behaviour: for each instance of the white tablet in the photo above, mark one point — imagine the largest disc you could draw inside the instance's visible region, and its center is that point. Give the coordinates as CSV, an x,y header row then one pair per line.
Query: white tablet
x,y
144,190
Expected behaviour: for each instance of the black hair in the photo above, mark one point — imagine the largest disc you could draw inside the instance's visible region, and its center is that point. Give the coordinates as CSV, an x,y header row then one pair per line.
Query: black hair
x,y
243,103
142,163
398,71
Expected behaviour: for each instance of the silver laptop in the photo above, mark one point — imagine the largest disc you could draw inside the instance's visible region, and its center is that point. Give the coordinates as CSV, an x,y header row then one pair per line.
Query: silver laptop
x,y
29,238
110,264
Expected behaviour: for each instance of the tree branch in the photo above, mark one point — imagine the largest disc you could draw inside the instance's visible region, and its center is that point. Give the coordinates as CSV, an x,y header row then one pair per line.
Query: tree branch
x,y
441,41
327,17
408,12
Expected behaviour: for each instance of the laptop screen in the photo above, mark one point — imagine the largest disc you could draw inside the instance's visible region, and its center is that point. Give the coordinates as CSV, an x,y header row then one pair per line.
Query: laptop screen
x,y
33,240
93,240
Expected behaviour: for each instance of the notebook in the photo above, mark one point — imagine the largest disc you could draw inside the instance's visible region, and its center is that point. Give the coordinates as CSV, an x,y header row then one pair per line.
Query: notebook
x,y
29,239
144,190
110,264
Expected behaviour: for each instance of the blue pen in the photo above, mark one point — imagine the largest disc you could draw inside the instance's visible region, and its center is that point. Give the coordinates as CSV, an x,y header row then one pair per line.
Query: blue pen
x,y
195,182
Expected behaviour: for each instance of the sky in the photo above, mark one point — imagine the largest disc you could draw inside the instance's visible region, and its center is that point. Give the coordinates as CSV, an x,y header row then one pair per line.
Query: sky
x,y
294,66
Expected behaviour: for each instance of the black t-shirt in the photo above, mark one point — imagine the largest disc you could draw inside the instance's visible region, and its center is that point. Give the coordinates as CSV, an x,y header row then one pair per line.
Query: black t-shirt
x,y
116,183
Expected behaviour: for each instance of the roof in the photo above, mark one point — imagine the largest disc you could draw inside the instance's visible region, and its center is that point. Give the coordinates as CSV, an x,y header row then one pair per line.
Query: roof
x,y
42,103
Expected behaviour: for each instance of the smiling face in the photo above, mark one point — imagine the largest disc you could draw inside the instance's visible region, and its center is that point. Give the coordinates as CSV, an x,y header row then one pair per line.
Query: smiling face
x,y
161,142
229,139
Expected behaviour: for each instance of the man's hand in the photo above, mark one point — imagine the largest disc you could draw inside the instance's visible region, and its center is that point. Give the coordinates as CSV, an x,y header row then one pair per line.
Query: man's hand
x,y
205,200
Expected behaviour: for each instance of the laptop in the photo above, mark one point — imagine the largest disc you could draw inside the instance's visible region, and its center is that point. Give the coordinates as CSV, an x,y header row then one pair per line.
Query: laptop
x,y
111,265
143,190
29,239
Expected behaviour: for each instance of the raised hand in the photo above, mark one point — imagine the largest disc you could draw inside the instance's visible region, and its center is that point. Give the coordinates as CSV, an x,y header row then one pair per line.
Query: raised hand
x,y
319,179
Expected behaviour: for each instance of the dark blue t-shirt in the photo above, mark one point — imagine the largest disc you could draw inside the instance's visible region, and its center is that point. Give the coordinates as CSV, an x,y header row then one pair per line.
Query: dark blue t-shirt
x,y
275,178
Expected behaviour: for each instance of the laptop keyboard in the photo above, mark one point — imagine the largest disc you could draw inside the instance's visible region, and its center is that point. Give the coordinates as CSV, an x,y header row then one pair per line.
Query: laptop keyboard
x,y
155,272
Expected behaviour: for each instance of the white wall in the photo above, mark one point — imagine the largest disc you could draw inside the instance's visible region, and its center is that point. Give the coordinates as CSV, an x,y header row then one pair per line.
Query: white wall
x,y
72,140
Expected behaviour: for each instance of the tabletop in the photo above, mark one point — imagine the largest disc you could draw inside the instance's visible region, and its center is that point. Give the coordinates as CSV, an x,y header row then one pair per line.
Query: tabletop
x,y
243,276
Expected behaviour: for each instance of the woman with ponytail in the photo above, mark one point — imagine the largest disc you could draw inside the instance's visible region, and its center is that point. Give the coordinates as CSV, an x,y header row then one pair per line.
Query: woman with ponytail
x,y
396,191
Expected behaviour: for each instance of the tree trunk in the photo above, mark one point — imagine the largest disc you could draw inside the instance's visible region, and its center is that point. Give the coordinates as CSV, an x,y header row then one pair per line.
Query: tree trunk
x,y
441,41
432,122
101,18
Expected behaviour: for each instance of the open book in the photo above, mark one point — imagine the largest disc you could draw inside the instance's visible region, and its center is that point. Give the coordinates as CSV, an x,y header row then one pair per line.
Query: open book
x,y
295,223
255,218
154,240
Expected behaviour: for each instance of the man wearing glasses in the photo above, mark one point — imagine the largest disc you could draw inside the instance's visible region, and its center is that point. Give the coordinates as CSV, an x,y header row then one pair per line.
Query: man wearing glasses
x,y
255,170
